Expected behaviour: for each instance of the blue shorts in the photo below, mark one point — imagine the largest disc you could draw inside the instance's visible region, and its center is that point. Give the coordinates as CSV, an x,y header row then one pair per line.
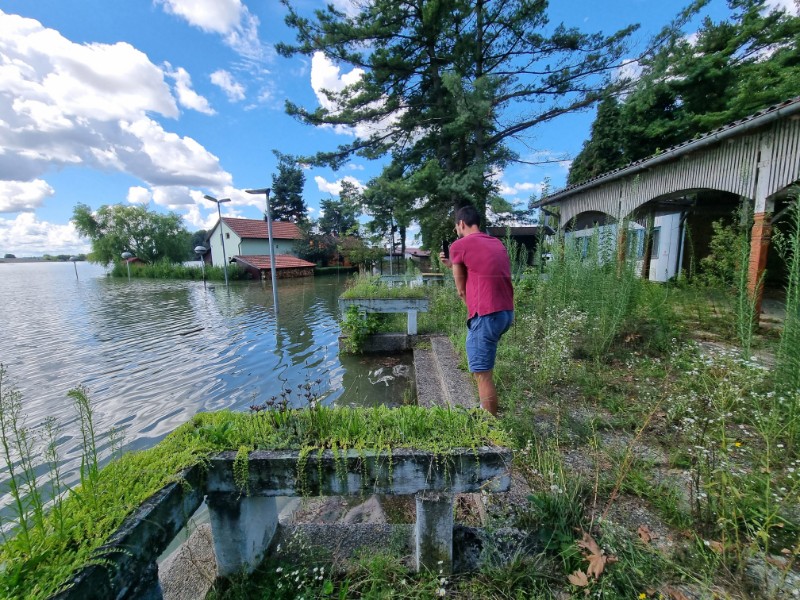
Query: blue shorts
x,y
483,333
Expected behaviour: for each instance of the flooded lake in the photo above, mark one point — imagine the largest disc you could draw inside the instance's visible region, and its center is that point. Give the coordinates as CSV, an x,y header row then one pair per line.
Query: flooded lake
x,y
152,353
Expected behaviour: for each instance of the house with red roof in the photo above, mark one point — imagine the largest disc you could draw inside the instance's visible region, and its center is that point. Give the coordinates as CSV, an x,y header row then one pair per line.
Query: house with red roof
x,y
246,243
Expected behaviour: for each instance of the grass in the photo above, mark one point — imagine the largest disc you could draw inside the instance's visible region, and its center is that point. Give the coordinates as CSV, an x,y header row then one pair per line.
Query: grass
x,y
649,462
367,286
167,270
48,546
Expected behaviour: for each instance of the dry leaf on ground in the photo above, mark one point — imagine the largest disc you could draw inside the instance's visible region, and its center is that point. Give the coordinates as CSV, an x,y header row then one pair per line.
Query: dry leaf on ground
x,y
579,579
594,555
645,534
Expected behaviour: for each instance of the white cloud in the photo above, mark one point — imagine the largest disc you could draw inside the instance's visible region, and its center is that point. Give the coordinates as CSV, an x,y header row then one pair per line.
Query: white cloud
x,y
65,104
355,167
348,7
513,190
335,187
227,18
225,81
139,195
163,158
630,70
18,196
792,7
187,97
327,77
26,236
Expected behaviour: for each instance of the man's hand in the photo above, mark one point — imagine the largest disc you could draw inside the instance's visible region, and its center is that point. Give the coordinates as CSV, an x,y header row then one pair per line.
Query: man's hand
x,y
445,261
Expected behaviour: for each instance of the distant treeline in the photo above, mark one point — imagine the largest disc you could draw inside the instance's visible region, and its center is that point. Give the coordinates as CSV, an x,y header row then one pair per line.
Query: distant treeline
x,y
46,257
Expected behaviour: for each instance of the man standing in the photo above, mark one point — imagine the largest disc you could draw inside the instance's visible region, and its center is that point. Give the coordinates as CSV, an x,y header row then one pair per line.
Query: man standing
x,y
482,272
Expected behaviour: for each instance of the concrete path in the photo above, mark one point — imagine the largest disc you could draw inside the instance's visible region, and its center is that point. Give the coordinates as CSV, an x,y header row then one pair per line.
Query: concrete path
x,y
439,380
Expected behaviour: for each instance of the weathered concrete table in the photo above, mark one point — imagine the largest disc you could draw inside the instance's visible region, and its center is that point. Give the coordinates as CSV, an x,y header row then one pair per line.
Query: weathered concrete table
x,y
244,521
410,306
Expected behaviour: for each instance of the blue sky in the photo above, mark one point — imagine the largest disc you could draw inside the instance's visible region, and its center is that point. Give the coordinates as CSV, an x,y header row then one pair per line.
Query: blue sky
x,y
163,101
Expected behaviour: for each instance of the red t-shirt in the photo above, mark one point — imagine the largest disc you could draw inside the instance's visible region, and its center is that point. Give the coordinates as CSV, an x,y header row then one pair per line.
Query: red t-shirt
x,y
489,286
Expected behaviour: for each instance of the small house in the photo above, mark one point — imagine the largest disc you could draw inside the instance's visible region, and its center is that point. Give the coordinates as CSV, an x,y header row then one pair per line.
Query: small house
x,y
246,242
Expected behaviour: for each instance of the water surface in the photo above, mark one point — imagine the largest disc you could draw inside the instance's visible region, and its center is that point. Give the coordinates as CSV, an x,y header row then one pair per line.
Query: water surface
x,y
152,353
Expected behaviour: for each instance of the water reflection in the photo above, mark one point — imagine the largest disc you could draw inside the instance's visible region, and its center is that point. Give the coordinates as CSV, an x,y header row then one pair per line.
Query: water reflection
x,y
154,353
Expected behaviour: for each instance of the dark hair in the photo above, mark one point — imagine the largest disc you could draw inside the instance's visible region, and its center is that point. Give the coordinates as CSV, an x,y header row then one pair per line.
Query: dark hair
x,y
469,215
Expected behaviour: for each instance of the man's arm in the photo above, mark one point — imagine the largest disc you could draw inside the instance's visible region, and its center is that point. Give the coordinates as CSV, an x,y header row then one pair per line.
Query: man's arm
x,y
460,277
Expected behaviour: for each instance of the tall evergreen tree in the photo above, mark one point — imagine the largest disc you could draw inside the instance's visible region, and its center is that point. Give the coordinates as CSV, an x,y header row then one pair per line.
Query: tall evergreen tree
x,y
340,217
286,203
728,70
447,84
603,151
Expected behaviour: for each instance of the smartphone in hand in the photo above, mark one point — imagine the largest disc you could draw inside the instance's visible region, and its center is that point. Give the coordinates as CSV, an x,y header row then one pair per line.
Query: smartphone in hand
x,y
446,248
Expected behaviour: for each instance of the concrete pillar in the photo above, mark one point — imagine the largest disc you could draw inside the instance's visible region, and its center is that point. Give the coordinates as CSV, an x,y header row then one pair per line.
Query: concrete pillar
x,y
759,248
412,322
433,532
242,528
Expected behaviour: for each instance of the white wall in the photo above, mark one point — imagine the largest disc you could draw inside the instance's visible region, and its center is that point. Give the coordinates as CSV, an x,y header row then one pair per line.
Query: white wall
x,y
664,258
231,245
235,246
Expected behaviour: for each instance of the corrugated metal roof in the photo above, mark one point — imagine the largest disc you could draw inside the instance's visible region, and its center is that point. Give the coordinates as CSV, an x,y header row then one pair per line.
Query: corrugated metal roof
x,y
766,115
257,228
282,261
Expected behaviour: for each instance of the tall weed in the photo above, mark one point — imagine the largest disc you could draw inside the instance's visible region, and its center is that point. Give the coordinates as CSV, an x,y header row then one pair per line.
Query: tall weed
x,y
591,278
789,350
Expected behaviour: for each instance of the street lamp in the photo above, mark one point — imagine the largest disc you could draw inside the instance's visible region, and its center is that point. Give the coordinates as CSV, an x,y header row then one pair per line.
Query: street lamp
x,y
272,262
221,237
201,250
74,259
125,257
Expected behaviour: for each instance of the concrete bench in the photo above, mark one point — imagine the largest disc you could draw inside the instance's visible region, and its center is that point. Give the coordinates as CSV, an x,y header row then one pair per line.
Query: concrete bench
x,y
243,522
410,306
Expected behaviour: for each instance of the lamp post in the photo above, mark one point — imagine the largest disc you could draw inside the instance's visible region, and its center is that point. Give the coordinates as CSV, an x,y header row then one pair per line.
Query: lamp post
x,y
201,251
221,237
125,257
272,261
74,261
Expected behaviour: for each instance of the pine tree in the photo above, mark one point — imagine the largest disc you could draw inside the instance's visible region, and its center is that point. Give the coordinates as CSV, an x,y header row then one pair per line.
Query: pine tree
x,y
286,203
447,85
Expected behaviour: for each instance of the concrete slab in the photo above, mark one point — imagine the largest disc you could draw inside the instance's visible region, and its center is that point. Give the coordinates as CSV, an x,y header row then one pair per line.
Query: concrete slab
x,y
429,385
457,384
189,572
353,473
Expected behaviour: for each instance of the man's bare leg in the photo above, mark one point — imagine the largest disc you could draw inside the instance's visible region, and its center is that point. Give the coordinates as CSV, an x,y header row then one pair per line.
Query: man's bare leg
x,y
486,391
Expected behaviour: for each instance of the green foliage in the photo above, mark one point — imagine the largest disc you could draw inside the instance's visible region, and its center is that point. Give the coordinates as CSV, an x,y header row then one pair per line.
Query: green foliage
x,y
604,150
167,270
286,201
340,216
694,84
450,85
368,286
198,238
722,266
359,252
117,228
49,546
357,327
586,276
789,351
741,443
